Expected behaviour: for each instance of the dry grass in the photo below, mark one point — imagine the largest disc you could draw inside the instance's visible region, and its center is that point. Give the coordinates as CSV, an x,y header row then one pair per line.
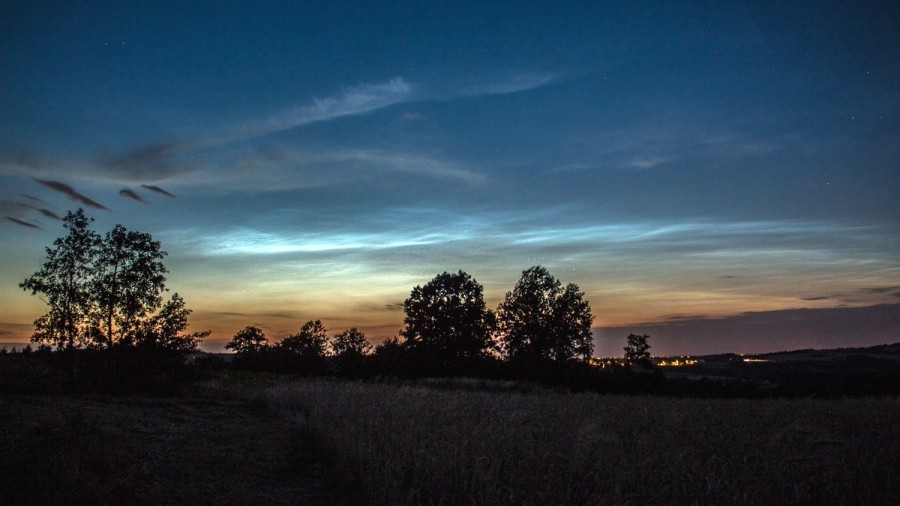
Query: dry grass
x,y
259,439
418,445
142,450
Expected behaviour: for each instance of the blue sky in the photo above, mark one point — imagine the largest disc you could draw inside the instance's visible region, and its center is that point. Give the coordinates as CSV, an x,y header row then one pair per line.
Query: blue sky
x,y
683,163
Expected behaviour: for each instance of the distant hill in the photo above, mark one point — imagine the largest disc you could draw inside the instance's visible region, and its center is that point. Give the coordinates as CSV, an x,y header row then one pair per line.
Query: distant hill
x,y
763,331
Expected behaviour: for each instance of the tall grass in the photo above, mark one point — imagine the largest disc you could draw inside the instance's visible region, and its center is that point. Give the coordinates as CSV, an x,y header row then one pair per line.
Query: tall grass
x,y
398,444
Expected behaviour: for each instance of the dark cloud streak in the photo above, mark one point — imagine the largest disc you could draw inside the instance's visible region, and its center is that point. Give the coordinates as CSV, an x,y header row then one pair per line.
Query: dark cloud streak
x,y
157,189
146,162
22,222
881,289
49,214
72,193
131,194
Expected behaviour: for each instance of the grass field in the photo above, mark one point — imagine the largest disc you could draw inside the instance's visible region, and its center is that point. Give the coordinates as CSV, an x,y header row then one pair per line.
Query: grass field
x,y
422,445
246,439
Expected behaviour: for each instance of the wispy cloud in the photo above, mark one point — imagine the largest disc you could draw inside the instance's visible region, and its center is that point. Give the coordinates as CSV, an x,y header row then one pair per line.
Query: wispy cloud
x,y
414,164
147,163
284,168
360,99
511,83
21,222
157,189
412,116
167,160
882,289
648,162
161,160
198,159
72,193
48,213
131,194
29,207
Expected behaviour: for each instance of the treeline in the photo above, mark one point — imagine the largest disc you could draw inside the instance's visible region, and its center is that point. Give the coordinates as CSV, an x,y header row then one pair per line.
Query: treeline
x,y
448,331
104,296
540,332
108,328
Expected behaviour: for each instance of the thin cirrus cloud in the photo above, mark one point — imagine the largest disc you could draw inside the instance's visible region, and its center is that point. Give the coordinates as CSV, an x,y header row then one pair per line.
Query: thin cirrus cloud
x,y
284,168
23,223
511,83
159,160
353,101
131,194
169,160
72,193
194,160
149,162
165,160
48,213
157,190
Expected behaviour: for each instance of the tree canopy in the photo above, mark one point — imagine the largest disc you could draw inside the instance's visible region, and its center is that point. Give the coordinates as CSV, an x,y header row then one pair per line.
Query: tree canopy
x,y
637,350
447,317
541,319
64,281
128,281
350,342
103,291
248,340
165,329
310,342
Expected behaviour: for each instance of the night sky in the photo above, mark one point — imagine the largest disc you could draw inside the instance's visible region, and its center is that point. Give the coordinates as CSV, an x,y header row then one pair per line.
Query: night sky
x,y
722,175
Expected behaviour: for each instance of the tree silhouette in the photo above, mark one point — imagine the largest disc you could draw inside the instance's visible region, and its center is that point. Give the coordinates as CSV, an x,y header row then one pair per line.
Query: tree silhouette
x,y
447,318
128,281
247,341
310,342
164,330
350,342
350,351
637,351
541,320
103,291
64,281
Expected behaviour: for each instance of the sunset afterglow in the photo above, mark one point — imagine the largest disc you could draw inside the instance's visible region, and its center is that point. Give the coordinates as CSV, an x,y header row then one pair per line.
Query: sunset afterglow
x,y
723,178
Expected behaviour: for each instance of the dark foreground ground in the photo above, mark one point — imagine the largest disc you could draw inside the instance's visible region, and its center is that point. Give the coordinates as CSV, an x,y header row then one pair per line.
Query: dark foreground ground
x,y
142,450
252,438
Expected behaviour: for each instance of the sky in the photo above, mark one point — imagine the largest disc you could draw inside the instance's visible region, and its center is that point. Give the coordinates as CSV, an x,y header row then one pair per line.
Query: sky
x,y
722,175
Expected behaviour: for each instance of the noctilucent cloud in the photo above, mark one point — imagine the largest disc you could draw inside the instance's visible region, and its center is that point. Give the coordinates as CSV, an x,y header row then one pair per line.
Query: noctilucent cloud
x,y
724,174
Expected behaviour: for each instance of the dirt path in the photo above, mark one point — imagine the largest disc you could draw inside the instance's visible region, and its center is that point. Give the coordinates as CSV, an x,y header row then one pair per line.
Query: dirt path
x,y
139,450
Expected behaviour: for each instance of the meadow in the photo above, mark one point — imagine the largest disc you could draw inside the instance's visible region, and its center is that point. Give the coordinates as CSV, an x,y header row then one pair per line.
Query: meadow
x,y
475,443
248,438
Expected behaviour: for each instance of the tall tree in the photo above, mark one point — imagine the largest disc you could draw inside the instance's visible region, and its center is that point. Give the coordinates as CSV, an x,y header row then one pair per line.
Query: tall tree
x,y
64,282
105,290
248,340
165,329
128,281
310,342
447,318
541,319
350,342
637,350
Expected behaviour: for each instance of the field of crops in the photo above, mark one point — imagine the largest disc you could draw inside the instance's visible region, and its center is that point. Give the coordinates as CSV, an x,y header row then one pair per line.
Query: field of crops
x,y
417,444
